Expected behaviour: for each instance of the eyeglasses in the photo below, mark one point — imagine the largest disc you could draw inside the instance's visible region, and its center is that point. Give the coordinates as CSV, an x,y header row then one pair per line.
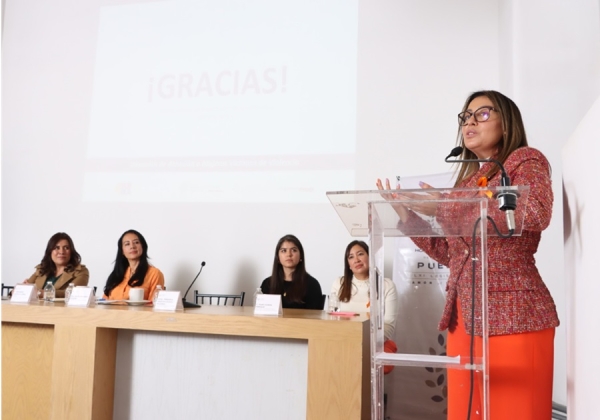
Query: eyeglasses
x,y
481,114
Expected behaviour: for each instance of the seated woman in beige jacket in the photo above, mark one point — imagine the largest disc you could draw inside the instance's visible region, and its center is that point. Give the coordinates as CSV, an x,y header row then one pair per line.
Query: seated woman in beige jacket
x,y
61,265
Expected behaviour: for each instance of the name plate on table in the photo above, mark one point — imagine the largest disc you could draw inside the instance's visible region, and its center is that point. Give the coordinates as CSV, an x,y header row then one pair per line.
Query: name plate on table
x,y
24,293
81,297
168,301
268,305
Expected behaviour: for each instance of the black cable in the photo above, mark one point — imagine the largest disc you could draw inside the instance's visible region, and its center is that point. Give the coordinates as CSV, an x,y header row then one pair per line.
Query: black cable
x,y
510,232
472,343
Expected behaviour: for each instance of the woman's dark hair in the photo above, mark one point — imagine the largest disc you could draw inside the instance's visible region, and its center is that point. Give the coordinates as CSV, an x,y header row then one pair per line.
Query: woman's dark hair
x,y
513,138
47,266
297,287
345,293
121,265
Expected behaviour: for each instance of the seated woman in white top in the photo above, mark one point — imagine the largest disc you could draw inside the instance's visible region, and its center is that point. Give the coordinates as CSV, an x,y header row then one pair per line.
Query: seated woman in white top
x,y
353,288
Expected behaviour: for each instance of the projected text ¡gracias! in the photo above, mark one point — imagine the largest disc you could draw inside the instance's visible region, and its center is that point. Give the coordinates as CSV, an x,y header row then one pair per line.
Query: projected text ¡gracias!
x,y
250,82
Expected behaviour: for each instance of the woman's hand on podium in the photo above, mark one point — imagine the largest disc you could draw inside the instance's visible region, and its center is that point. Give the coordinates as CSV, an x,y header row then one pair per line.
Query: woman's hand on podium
x,y
427,207
399,207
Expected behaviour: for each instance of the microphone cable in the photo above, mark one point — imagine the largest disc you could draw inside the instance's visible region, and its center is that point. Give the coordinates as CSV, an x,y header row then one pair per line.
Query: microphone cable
x,y
474,260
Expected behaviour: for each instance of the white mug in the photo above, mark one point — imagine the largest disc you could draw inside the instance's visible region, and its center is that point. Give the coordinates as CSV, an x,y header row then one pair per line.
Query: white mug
x,y
136,294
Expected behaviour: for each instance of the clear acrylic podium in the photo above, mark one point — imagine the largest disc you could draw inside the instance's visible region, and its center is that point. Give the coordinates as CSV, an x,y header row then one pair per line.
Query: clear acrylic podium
x,y
459,212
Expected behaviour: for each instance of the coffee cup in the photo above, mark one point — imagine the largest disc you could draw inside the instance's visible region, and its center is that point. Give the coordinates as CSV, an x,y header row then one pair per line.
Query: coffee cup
x,y
136,294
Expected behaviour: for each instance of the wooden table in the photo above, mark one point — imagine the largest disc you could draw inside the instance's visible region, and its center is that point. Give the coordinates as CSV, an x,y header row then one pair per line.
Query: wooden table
x,y
38,339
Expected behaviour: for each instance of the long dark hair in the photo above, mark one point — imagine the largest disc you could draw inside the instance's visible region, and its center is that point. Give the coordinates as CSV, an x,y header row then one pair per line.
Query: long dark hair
x,y
513,138
345,293
297,287
121,265
47,266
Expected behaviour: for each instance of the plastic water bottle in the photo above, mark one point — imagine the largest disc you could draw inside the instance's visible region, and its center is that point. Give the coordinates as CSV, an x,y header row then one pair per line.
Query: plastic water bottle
x,y
156,292
49,291
68,292
258,292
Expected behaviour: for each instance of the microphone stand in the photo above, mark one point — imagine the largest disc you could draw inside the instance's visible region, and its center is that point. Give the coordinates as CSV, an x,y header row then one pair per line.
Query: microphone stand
x,y
187,304
507,199
507,202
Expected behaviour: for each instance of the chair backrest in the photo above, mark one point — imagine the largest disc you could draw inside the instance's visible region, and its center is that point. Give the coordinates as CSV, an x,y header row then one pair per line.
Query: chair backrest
x,y
6,289
323,301
216,299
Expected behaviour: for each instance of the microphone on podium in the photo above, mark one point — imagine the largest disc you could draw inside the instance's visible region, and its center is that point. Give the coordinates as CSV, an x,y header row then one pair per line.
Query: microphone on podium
x,y
454,153
187,304
507,199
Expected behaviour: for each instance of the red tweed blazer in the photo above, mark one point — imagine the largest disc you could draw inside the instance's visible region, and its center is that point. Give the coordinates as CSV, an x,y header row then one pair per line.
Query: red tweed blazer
x,y
518,300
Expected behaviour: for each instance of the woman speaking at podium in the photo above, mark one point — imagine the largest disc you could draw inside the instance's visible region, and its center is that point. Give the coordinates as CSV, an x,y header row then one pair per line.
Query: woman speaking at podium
x,y
289,278
132,269
522,314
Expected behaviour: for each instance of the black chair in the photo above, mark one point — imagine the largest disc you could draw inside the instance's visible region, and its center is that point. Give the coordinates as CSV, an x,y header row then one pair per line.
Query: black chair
x,y
7,290
323,303
216,299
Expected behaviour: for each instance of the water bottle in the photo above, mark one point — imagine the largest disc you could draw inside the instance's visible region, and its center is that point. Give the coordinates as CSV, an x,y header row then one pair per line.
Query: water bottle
x,y
156,292
334,302
258,292
49,291
68,292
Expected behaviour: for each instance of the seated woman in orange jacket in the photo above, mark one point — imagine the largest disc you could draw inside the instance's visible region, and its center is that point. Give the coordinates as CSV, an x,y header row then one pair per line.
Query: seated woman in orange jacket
x,y
132,269
61,265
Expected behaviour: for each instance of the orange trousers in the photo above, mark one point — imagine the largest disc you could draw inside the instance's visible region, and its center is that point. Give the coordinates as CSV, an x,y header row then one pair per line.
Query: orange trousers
x,y
521,374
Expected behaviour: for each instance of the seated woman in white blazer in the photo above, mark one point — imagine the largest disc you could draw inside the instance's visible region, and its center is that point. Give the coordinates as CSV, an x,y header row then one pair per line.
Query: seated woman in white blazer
x,y
353,287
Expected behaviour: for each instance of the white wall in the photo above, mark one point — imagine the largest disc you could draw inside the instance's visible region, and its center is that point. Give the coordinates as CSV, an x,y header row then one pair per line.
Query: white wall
x,y
581,231
410,84
553,68
416,62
